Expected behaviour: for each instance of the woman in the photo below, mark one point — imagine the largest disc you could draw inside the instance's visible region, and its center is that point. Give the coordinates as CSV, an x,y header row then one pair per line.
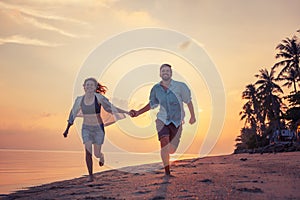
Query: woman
x,y
93,126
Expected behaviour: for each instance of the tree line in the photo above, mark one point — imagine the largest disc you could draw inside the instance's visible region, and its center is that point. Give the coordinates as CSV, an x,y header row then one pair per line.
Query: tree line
x,y
267,108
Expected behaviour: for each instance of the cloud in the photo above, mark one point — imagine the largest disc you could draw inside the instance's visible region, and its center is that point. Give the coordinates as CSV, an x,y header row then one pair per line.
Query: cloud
x,y
48,27
46,115
84,4
184,45
19,39
187,44
36,13
22,14
135,18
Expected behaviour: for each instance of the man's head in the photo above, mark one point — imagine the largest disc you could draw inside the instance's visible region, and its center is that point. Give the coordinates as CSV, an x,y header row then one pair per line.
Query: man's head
x,y
165,72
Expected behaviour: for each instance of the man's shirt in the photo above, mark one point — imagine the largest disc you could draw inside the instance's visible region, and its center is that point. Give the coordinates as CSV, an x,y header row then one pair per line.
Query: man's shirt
x,y
170,101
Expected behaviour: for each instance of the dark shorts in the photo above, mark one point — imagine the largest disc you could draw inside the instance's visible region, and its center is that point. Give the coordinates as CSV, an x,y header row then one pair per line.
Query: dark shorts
x,y
95,134
171,131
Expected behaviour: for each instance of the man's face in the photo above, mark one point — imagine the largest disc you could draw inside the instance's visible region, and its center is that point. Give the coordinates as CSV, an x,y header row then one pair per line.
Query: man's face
x,y
166,73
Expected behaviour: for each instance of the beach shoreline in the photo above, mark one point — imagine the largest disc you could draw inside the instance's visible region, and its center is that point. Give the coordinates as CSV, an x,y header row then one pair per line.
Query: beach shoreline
x,y
236,176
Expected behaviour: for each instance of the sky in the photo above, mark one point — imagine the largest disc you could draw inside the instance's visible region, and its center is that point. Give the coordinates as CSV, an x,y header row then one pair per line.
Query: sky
x,y
45,44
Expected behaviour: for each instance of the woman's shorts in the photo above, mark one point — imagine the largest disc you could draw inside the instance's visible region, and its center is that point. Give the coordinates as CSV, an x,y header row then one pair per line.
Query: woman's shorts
x,y
95,134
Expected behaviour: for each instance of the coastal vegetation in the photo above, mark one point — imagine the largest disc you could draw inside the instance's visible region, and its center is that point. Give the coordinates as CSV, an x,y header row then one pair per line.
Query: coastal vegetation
x,y
272,103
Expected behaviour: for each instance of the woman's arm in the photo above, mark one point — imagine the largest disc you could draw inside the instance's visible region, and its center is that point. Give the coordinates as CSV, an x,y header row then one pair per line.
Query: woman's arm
x,y
73,113
119,110
65,134
108,107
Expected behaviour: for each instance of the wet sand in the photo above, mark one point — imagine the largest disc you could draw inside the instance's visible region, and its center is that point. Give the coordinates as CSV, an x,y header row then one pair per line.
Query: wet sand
x,y
238,176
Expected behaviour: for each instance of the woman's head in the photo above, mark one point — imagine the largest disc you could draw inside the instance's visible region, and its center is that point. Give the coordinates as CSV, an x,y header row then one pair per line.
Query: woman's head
x,y
92,85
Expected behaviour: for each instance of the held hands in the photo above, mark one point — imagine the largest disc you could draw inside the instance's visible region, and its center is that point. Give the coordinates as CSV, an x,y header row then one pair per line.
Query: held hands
x,y
133,113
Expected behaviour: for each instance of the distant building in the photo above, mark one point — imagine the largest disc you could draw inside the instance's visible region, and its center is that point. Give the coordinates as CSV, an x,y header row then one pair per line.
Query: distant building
x,y
284,136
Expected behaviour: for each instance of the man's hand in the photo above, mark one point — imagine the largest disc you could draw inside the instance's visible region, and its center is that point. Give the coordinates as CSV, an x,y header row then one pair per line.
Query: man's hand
x,y
133,113
192,120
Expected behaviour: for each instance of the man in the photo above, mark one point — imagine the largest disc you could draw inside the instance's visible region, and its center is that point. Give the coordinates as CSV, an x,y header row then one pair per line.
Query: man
x,y
170,96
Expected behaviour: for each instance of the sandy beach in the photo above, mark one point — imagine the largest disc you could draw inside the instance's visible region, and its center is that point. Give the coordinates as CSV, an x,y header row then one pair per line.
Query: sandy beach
x,y
237,176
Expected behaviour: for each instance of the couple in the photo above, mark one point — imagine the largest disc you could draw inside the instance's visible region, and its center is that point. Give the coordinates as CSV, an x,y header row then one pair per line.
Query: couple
x,y
168,94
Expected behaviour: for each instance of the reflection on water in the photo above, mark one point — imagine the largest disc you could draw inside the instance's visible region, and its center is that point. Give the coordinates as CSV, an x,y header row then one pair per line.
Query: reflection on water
x,y
24,168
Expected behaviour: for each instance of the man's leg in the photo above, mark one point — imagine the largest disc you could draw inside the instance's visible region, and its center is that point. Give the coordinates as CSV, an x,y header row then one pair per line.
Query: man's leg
x,y
164,152
174,138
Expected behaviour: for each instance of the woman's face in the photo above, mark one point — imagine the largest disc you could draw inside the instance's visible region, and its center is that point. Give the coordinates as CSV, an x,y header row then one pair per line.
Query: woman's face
x,y
89,87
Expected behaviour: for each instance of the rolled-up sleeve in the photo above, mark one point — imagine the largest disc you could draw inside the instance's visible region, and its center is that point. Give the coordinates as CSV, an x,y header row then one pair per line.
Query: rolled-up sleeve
x,y
153,101
186,93
107,106
75,110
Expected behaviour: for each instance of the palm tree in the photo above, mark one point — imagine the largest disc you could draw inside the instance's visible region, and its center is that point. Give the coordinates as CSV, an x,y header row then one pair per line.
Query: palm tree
x,y
246,140
291,78
289,51
251,112
247,114
268,92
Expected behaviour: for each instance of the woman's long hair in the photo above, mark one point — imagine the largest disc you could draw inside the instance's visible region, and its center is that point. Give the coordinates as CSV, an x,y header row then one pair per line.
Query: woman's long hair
x,y
101,89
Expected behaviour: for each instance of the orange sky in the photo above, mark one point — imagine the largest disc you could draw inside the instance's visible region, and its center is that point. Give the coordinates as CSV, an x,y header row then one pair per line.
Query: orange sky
x,y
43,45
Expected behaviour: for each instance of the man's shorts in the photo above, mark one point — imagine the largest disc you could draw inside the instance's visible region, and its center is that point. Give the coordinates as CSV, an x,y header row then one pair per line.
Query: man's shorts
x,y
95,134
171,131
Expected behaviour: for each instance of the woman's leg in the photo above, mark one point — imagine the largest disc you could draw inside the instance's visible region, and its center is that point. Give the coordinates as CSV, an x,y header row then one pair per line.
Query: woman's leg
x,y
89,159
99,154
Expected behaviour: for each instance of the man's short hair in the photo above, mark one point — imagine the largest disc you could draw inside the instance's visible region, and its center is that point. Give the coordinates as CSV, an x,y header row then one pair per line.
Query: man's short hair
x,y
165,65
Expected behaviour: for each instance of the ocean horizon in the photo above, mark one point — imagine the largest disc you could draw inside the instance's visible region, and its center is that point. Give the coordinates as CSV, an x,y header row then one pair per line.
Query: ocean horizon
x,y
20,169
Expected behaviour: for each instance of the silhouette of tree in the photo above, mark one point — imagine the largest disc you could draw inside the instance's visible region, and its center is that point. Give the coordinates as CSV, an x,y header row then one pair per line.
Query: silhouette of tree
x,y
264,111
289,51
268,92
251,112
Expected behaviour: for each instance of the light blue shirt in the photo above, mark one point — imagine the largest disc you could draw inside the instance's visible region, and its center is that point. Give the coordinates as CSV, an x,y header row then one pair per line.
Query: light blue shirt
x,y
170,101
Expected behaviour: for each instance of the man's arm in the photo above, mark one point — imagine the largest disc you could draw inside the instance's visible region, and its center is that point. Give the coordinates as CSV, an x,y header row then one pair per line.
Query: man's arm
x,y
191,109
134,113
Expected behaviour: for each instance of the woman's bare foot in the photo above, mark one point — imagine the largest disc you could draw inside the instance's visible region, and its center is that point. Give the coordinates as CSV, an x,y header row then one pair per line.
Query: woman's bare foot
x,y
101,160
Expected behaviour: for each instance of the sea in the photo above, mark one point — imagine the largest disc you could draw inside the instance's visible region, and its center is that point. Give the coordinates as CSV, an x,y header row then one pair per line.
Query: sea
x,y
21,169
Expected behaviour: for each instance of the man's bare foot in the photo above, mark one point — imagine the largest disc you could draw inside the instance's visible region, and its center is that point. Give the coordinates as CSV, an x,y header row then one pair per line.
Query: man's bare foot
x,y
90,178
167,170
169,176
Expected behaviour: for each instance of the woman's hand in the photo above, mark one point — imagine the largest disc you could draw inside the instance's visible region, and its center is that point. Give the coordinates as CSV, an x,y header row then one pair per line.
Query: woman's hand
x,y
65,134
133,113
